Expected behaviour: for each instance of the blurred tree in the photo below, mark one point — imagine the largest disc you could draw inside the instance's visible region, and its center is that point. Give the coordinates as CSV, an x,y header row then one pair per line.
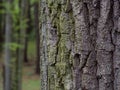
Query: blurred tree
x,y
13,49
8,31
1,23
27,14
36,22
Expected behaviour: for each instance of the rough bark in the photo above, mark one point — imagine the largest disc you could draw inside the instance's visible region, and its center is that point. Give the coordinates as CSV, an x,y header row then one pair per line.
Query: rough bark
x,y
116,43
43,42
83,42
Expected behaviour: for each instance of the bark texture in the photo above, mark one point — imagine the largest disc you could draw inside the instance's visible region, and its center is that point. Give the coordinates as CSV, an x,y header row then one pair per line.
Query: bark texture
x,y
82,44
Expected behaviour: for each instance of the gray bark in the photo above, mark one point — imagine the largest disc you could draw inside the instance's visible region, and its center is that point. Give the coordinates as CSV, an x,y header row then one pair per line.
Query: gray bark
x,y
83,42
44,59
8,30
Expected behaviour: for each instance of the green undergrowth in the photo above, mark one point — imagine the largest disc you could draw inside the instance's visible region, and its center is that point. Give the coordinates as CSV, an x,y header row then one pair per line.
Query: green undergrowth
x,y
31,50
31,84
30,81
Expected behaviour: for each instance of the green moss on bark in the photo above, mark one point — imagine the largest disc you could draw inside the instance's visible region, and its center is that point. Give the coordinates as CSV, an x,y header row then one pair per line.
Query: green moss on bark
x,y
61,37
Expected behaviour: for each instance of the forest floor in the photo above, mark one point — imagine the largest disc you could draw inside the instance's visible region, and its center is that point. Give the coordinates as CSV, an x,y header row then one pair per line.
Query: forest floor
x,y
30,81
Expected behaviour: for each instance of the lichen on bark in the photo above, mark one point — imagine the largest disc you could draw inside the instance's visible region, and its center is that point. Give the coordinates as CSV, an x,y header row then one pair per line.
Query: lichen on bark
x,y
83,42
59,47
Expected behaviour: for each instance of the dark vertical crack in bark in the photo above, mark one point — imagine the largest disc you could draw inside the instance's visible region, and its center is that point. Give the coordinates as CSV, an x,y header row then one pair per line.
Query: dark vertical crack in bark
x,y
85,28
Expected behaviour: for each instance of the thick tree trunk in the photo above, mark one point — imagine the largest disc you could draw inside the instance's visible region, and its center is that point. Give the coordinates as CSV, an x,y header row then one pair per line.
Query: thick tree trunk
x,y
82,40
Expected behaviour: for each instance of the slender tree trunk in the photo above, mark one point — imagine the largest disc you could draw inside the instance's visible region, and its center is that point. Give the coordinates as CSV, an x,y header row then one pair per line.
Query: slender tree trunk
x,y
36,14
80,44
28,29
3,75
19,60
26,49
21,41
1,25
17,54
8,29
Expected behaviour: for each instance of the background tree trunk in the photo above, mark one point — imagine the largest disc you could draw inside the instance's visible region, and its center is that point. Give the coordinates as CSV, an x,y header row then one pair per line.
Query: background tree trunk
x,y
2,20
17,53
28,28
80,44
8,30
36,22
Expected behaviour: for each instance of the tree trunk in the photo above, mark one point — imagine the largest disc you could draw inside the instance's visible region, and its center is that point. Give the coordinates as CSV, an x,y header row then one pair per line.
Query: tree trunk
x,y
3,75
17,54
1,25
43,49
36,22
80,44
8,30
28,28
